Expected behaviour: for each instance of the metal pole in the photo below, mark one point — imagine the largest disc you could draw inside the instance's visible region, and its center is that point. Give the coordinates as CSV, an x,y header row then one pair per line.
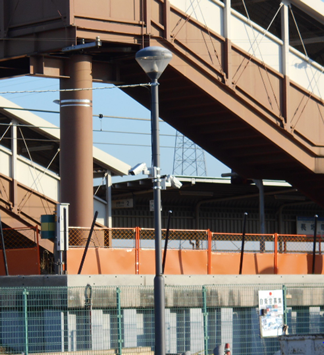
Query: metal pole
x,y
243,241
88,242
119,323
166,242
314,243
25,294
284,295
259,184
65,240
205,314
4,249
159,300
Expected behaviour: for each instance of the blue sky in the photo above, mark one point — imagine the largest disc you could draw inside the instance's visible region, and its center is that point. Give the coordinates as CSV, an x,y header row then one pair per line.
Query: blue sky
x,y
127,139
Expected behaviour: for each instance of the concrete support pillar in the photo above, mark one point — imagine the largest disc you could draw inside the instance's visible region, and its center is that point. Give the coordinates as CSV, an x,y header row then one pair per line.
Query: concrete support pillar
x,y
76,163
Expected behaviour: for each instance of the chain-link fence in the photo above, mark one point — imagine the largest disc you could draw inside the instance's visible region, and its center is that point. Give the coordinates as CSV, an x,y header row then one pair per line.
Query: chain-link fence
x,y
299,244
102,237
176,238
120,320
195,240
20,238
20,252
253,243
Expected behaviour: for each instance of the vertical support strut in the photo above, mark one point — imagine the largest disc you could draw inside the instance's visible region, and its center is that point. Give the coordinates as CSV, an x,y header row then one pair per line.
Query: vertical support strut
x,y
119,320
285,65
228,43
25,294
284,293
314,243
14,165
205,314
4,249
76,163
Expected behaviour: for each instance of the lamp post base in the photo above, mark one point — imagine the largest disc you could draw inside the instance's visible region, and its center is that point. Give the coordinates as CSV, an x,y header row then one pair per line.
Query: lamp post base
x,y
159,307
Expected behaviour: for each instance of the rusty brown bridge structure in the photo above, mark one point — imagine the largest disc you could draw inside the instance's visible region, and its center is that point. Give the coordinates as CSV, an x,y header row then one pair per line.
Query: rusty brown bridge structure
x,y
244,83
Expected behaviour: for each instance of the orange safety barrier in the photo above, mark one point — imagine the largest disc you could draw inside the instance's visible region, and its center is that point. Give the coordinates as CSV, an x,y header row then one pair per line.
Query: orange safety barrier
x,y
22,251
131,251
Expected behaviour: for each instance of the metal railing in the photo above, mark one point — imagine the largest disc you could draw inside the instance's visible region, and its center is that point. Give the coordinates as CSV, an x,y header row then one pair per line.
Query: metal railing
x,y
26,239
197,240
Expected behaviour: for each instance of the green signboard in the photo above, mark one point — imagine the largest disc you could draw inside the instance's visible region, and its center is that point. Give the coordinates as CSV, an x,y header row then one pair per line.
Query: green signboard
x,y
48,226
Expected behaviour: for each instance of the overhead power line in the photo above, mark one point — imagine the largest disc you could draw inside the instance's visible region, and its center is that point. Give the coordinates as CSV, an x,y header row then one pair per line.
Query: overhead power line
x,y
95,143
58,112
94,130
76,89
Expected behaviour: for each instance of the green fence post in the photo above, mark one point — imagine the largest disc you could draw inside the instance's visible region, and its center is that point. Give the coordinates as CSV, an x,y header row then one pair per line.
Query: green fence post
x,y
119,320
205,314
25,294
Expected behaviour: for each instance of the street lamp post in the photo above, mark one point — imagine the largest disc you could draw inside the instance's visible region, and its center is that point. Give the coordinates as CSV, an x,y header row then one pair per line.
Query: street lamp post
x,y
153,61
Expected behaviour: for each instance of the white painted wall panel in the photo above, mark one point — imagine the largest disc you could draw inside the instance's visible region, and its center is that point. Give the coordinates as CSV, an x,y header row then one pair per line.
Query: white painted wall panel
x,y
101,207
35,178
305,74
207,12
5,162
256,43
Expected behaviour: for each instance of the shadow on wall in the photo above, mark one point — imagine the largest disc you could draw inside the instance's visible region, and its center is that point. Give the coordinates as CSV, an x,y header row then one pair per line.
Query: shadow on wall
x,y
318,264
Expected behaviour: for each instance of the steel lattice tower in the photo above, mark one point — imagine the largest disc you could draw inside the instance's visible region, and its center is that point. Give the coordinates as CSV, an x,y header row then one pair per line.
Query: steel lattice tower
x,y
189,158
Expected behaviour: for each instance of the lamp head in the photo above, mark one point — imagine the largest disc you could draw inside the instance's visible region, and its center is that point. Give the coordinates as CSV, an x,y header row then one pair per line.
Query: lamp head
x,y
153,60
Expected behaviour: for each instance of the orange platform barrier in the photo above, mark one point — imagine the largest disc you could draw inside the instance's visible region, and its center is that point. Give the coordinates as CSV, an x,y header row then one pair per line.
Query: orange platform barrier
x,y
189,262
21,262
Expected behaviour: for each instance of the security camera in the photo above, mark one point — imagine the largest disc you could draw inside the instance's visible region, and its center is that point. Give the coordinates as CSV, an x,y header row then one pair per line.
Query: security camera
x,y
176,183
170,181
137,169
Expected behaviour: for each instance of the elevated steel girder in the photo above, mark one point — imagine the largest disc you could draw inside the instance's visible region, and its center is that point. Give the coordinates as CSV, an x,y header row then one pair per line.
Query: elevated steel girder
x,y
197,94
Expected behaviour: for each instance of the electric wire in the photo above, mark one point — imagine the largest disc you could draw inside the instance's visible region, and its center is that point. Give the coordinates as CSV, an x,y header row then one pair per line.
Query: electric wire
x,y
94,143
78,89
58,112
94,130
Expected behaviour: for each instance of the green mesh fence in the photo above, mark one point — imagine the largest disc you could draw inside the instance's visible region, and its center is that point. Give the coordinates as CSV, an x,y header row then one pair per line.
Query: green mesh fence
x,y
120,320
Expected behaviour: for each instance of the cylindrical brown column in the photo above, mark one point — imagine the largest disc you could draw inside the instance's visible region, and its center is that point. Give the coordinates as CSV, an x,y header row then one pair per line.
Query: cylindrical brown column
x,y
76,161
